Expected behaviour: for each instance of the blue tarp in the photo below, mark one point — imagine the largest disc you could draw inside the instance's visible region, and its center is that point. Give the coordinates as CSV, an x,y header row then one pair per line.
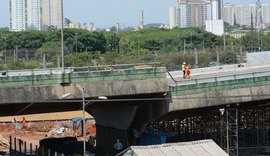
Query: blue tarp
x,y
150,138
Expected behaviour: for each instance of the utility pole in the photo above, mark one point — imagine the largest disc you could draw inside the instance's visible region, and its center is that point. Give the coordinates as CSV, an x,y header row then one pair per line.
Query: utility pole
x,y
62,36
5,48
252,34
224,48
184,45
196,58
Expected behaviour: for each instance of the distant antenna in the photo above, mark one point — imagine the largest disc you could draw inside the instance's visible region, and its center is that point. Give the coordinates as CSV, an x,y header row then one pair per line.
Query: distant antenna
x,y
117,27
141,20
234,20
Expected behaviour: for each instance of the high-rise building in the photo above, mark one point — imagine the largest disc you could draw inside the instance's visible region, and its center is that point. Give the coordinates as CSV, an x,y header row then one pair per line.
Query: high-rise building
x,y
51,13
196,12
266,14
172,17
18,15
34,14
241,14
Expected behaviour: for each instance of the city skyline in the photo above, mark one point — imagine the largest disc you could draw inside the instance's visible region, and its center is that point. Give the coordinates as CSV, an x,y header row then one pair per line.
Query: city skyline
x,y
125,12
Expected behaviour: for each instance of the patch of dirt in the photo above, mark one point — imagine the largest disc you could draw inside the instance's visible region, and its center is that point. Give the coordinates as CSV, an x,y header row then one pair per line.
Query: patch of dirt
x,y
39,130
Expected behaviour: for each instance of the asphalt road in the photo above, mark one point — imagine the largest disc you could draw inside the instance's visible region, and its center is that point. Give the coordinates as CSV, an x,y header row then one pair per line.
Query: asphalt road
x,y
218,75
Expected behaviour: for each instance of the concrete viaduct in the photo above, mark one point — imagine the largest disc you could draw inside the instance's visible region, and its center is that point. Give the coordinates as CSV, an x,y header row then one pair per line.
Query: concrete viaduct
x,y
137,95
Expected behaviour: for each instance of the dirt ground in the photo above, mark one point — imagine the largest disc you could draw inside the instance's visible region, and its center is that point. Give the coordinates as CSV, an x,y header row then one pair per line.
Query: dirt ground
x,y
38,130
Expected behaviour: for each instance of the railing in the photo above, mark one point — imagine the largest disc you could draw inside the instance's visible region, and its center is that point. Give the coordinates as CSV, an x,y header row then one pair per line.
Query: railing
x,y
222,77
29,72
81,75
220,83
18,147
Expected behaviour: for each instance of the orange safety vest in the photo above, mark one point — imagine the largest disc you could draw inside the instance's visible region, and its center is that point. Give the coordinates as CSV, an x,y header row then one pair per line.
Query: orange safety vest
x,y
187,68
24,123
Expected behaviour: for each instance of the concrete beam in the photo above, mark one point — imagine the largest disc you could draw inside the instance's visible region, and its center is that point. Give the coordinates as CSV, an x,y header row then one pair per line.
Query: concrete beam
x,y
20,97
219,98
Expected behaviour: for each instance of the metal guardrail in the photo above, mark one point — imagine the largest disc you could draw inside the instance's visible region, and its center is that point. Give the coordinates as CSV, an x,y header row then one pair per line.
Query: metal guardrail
x,y
81,75
19,147
49,71
222,77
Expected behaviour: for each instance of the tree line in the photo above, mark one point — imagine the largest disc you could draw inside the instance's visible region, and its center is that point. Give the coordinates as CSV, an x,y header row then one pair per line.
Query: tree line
x,y
27,49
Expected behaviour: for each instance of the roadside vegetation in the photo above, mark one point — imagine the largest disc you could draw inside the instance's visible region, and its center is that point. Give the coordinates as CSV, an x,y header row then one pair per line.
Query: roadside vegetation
x,y
30,49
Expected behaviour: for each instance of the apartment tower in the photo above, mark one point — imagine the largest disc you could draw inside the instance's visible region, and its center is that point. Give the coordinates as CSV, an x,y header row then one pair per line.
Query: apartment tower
x,y
34,14
51,13
18,15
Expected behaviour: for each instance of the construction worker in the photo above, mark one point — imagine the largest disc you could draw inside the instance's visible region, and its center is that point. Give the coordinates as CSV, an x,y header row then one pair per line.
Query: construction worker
x,y
92,143
24,123
118,146
184,69
187,68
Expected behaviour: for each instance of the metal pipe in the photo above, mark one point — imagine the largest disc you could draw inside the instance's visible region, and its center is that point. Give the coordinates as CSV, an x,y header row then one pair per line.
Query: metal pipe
x,y
84,134
62,36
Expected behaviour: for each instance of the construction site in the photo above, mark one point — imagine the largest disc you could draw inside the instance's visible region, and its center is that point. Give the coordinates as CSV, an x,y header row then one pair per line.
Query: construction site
x,y
38,129
238,129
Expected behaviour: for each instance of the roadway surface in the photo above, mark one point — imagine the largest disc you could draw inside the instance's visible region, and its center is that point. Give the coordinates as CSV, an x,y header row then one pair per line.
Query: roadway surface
x,y
214,74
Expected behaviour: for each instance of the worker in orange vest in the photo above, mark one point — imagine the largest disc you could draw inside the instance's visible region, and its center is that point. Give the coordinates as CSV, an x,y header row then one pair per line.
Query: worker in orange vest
x,y
187,71
184,69
24,123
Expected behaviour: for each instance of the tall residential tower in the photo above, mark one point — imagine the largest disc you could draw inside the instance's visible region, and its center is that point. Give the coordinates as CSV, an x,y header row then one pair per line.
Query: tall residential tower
x,y
18,15
34,14
51,13
196,12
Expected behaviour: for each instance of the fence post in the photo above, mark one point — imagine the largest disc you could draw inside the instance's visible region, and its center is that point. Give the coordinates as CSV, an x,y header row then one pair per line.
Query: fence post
x,y
216,80
25,152
20,145
15,144
37,150
31,149
10,143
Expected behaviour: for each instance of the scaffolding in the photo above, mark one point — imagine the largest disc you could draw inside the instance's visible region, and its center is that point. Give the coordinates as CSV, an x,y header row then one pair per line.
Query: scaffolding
x,y
239,130
232,131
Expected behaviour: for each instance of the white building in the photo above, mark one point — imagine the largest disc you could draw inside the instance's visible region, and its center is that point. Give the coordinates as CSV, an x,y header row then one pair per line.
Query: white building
x,y
241,14
184,16
18,18
215,26
196,12
214,9
172,17
51,13
33,15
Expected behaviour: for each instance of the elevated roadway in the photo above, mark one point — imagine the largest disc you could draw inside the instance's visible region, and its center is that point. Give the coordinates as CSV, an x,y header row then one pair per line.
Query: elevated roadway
x,y
137,94
219,88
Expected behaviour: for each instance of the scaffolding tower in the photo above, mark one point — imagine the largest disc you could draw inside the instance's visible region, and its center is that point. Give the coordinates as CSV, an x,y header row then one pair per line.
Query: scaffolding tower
x,y
232,131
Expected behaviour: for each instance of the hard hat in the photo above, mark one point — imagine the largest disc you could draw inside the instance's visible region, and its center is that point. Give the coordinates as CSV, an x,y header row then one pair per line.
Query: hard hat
x,y
184,62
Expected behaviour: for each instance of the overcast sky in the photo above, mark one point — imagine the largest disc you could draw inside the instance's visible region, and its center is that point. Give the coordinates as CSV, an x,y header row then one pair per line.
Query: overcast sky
x,y
106,13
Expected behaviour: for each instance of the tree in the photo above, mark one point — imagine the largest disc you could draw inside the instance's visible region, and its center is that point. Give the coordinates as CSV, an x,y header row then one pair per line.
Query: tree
x,y
113,43
49,49
67,21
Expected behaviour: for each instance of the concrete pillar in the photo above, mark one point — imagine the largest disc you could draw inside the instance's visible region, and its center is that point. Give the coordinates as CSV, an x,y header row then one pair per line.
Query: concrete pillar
x,y
119,120
107,137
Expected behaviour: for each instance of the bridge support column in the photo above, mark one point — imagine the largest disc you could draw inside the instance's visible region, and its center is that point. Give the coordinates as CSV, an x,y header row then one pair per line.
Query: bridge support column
x,y
107,137
119,120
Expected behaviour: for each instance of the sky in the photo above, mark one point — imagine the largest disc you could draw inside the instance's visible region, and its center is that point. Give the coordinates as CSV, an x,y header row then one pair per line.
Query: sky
x,y
106,13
